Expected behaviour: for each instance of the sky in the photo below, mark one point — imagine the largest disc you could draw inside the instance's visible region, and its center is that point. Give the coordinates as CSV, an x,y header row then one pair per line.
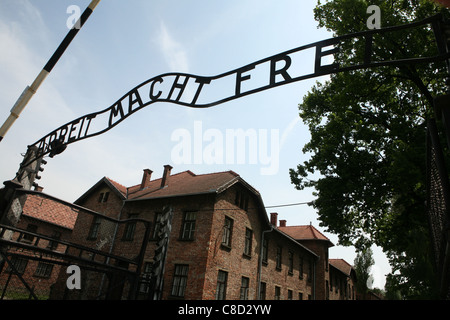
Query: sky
x,y
125,43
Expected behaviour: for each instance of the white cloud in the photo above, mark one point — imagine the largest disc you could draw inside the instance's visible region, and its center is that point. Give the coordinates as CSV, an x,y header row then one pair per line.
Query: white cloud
x,y
173,51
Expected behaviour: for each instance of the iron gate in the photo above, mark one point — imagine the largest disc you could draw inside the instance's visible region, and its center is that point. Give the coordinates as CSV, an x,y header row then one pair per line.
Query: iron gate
x,y
109,256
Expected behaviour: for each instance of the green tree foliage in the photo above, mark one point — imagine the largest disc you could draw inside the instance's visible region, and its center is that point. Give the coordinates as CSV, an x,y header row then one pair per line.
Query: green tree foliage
x,y
362,264
368,139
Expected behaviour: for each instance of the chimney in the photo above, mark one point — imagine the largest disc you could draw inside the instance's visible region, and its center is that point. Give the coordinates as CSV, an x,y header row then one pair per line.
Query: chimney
x,y
166,174
146,178
273,218
282,223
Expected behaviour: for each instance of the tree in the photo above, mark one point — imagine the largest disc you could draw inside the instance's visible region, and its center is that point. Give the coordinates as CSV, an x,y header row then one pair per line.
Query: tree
x,y
368,140
362,264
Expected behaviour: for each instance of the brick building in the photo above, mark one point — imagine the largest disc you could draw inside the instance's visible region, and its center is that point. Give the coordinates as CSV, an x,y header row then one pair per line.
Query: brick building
x,y
222,243
335,278
46,221
342,280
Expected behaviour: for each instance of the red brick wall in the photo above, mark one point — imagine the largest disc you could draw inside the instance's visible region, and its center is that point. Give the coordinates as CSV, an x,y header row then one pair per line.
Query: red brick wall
x,y
185,252
40,284
110,208
320,248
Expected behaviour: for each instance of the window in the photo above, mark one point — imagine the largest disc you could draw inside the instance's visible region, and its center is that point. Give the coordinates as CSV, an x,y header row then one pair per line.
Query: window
x,y
262,291
241,200
291,263
300,296
103,197
248,242
30,228
19,265
130,228
300,268
44,270
244,288
277,293
144,284
265,252
289,294
188,228
95,227
221,289
310,271
179,280
52,245
278,259
227,232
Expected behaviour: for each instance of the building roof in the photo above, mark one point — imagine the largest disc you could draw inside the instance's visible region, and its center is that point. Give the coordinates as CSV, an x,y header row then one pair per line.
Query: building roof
x,y
45,208
306,232
185,183
341,265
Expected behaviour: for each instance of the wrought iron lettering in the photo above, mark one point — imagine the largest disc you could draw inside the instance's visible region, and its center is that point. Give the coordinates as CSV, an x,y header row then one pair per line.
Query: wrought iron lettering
x,y
172,87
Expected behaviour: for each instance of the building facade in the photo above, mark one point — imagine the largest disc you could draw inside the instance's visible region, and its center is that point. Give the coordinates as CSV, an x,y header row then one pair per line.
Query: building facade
x,y
36,242
222,243
221,246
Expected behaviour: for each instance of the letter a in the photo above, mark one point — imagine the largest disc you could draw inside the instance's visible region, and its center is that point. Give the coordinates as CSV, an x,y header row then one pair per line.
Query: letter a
x,y
374,21
74,281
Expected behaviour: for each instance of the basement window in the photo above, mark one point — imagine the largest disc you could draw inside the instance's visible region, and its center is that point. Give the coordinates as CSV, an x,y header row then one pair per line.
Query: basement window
x,y
44,270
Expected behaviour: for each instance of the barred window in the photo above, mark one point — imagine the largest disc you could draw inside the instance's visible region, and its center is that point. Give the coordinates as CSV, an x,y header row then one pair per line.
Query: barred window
x,y
44,270
19,264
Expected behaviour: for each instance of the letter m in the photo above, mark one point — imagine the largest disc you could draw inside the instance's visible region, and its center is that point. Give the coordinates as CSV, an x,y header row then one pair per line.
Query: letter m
x,y
115,110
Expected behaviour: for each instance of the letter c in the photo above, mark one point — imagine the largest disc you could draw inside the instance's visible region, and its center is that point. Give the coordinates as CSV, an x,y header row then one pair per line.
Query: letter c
x,y
152,96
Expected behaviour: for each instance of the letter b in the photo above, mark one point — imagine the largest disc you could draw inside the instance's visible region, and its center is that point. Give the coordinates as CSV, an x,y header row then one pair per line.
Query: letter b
x,y
74,280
